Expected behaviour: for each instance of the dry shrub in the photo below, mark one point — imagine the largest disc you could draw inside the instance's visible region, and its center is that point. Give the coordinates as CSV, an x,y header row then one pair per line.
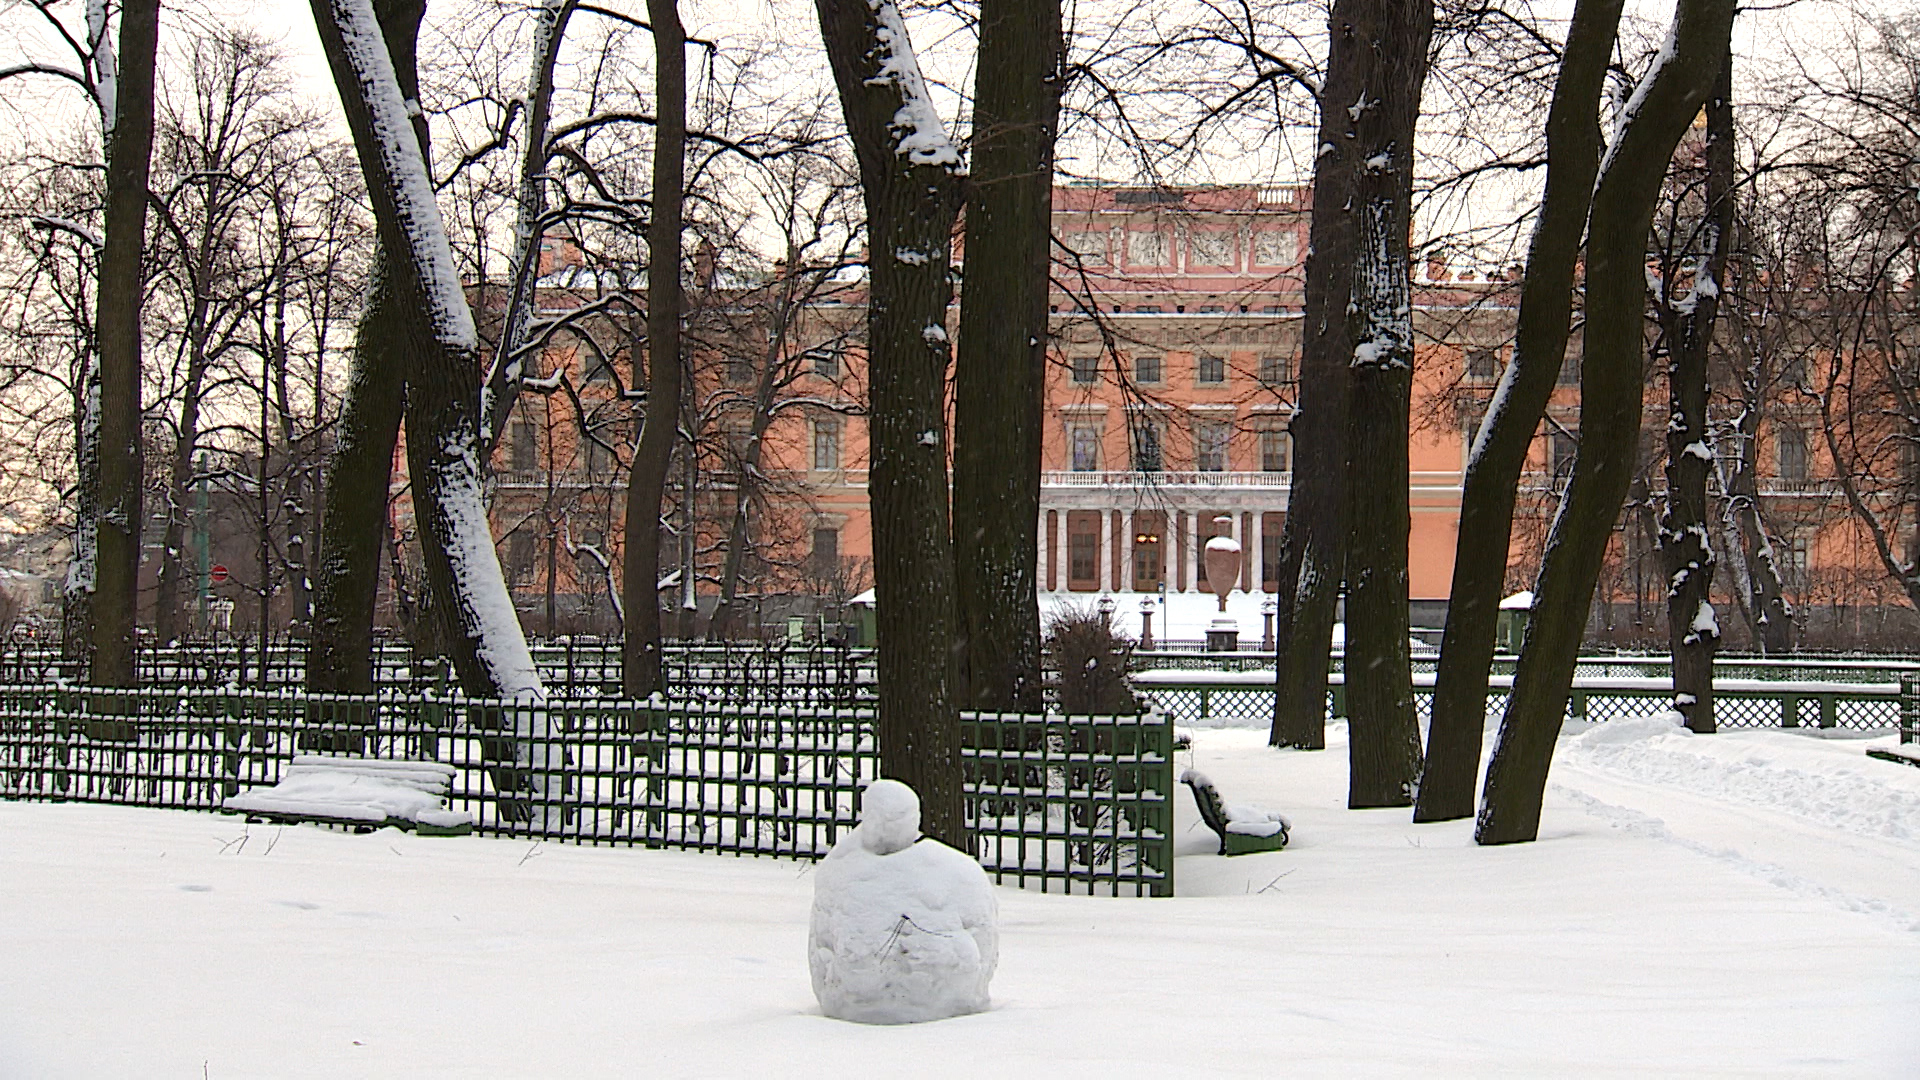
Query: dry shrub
x,y
1091,655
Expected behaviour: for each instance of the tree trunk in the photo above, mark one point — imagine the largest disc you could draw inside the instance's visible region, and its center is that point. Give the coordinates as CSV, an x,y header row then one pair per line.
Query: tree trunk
x,y
1685,549
346,582
509,367
1500,447
353,532
653,455
117,329
1611,384
172,571
726,616
1383,730
999,374
1748,546
443,376
1313,546
909,175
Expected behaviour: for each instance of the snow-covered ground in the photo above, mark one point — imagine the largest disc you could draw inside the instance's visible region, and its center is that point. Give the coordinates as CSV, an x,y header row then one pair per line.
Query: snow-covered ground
x,y
1745,904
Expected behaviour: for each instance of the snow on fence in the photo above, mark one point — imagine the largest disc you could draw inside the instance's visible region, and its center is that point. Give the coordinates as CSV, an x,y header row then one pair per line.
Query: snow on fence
x,y
722,673
1245,699
1078,804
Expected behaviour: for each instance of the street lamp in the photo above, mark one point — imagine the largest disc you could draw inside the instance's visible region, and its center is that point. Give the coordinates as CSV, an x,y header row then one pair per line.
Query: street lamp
x,y
1105,605
1267,608
1146,623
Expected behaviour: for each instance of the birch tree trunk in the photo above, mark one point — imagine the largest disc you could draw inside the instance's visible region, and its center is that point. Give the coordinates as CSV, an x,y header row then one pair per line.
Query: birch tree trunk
x,y
910,175
1000,369
653,455
1500,447
1611,385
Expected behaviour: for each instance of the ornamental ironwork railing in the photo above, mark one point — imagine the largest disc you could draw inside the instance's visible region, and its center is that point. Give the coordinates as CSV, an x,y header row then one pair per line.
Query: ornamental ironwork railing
x,y
1065,804
1245,698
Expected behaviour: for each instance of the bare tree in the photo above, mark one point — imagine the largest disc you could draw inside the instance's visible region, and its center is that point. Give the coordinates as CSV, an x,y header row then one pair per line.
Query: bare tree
x,y
1499,451
999,378
1390,45
115,412
910,174
443,392
660,430
1686,333
1650,125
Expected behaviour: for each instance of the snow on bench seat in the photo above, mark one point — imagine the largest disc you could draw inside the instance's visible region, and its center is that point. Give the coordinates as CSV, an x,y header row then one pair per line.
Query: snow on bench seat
x,y
1242,829
368,792
1902,753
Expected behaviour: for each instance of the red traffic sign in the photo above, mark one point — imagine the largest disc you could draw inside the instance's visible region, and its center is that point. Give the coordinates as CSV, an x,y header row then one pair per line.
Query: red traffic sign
x,y
218,574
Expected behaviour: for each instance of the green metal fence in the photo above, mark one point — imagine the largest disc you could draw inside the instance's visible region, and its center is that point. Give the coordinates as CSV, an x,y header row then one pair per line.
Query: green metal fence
x,y
1061,804
810,674
1245,699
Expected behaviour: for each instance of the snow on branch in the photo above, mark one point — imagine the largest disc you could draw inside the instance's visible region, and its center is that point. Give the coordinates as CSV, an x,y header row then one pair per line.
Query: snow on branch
x,y
86,234
922,139
406,172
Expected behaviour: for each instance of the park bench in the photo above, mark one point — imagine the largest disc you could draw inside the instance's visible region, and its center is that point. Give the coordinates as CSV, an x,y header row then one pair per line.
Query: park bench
x,y
360,793
1243,830
1904,754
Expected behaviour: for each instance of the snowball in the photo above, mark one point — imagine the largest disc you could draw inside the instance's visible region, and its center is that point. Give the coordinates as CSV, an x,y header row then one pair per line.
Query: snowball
x,y
902,931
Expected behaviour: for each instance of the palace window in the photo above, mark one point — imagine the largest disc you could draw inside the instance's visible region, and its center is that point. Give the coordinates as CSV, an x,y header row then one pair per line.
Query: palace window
x,y
1210,439
525,448
1275,451
824,560
1083,441
1147,443
1791,443
826,444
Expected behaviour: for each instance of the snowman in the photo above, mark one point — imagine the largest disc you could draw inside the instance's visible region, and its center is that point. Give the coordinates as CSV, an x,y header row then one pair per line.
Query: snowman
x,y
904,929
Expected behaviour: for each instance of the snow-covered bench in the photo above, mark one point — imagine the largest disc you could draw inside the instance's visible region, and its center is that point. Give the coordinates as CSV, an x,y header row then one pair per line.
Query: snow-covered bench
x,y
1242,829
1903,754
362,793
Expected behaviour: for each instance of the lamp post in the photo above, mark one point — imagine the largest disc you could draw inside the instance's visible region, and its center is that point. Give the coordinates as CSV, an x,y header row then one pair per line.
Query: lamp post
x,y
1146,624
1267,608
1105,605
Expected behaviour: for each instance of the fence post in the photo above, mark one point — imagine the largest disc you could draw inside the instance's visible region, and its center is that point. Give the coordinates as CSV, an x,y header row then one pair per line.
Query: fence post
x,y
1909,707
1789,710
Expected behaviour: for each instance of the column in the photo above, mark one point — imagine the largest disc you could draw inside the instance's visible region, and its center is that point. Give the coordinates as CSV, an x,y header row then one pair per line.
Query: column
x,y
1060,553
1191,550
1248,552
1103,559
1257,535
